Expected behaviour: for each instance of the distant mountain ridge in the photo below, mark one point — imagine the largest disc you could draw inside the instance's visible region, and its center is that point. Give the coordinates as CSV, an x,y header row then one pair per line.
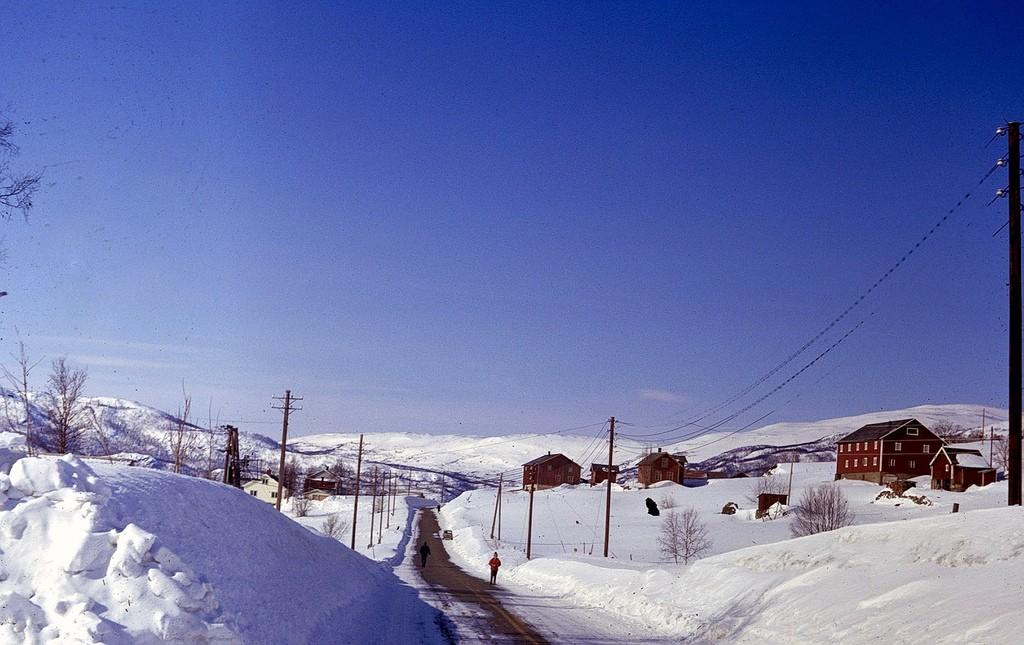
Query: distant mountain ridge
x,y
135,431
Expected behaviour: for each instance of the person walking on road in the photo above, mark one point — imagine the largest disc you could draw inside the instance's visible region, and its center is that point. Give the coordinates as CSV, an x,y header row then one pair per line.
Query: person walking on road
x,y
494,564
424,552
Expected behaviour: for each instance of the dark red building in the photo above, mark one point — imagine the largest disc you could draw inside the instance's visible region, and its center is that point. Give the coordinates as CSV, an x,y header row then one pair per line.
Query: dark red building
x,y
322,480
884,452
956,469
550,470
599,474
661,466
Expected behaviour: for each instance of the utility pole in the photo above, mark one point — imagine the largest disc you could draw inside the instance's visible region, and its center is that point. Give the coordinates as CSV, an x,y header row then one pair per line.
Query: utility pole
x,y
499,516
991,436
529,523
387,492
789,488
232,462
355,505
1014,467
442,487
497,502
286,407
373,505
608,493
380,522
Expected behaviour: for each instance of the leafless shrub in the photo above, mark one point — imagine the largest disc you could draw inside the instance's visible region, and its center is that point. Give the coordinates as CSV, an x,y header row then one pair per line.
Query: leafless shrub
x,y
18,382
667,501
100,432
293,476
16,190
1001,452
63,407
773,484
182,440
683,535
334,526
821,508
300,505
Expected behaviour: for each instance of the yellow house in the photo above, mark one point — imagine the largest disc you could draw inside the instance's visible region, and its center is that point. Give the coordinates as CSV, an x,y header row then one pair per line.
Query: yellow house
x,y
264,488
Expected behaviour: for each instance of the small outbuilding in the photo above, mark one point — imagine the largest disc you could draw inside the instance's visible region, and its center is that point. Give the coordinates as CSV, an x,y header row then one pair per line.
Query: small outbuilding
x,y
599,473
549,471
317,494
956,469
661,466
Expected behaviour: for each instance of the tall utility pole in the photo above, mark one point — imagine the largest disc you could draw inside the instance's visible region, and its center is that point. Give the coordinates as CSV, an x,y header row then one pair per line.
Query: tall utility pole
x,y
387,494
529,523
497,502
442,487
288,400
355,505
380,522
373,505
1013,163
608,493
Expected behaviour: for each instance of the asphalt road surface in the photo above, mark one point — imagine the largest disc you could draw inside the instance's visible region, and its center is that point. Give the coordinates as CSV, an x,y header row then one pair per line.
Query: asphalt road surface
x,y
489,620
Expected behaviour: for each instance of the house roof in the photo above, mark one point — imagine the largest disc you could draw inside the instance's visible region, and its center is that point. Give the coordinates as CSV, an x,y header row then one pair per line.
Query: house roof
x,y
965,458
323,474
259,480
654,456
874,431
604,467
547,457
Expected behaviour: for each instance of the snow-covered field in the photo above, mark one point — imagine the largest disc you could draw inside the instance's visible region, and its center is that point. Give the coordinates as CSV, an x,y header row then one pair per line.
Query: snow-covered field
x,y
753,567
112,554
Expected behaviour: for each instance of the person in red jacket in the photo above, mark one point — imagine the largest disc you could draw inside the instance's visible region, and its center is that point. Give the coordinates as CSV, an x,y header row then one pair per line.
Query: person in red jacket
x,y
494,564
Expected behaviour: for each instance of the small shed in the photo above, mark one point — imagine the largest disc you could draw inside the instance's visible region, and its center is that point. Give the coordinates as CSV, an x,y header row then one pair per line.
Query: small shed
x,y
956,469
661,466
317,494
599,473
767,500
549,471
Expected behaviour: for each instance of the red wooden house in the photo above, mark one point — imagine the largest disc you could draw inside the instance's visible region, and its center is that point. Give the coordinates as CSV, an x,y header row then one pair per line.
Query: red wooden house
x,y
599,473
885,452
661,466
322,480
957,469
549,471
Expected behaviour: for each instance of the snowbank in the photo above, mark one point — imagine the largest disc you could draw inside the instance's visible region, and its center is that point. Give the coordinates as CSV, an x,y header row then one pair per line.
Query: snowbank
x,y
128,555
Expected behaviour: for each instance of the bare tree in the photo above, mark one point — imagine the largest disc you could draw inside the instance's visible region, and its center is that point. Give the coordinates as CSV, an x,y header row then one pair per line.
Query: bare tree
x,y
338,470
821,508
774,484
334,526
300,505
101,433
16,190
293,476
18,381
181,438
64,408
683,535
948,431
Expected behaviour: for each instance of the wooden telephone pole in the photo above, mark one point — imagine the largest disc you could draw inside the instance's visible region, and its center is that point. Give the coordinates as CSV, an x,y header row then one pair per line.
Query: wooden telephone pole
x,y
608,493
355,505
497,503
373,505
232,462
529,523
1014,467
288,401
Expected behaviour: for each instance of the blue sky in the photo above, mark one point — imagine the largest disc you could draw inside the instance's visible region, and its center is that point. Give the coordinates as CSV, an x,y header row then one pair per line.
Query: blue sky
x,y
488,218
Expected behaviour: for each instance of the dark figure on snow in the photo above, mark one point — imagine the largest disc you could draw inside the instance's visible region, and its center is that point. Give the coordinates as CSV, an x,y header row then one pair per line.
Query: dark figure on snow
x,y
494,564
652,507
424,552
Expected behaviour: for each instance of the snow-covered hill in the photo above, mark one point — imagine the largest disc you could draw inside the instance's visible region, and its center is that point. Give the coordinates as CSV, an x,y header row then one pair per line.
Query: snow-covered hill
x,y
140,433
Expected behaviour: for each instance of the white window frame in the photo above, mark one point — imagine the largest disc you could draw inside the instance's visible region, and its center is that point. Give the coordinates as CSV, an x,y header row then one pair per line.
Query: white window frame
x,y
912,432
846,463
898,447
927,449
874,461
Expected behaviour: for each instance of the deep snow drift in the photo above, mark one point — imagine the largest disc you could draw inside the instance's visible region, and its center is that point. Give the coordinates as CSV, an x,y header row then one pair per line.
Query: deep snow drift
x,y
129,555
902,564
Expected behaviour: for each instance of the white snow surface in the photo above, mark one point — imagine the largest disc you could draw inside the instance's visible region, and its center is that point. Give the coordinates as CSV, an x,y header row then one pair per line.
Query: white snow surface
x,y
113,554
756,584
